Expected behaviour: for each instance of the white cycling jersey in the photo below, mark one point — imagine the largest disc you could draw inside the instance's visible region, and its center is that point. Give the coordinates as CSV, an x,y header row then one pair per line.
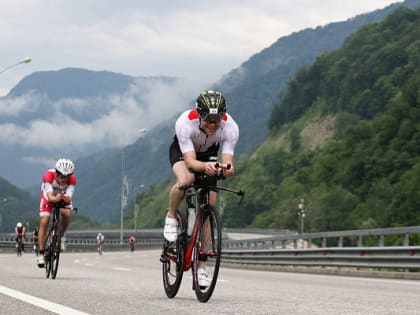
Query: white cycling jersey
x,y
192,138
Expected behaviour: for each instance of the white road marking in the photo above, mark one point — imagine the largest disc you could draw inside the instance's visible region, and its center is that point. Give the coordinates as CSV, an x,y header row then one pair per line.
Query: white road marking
x,y
47,305
121,268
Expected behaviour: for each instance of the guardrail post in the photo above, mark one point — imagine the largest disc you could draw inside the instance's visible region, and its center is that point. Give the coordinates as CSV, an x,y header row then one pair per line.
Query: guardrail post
x,y
324,242
406,239
340,241
381,241
360,241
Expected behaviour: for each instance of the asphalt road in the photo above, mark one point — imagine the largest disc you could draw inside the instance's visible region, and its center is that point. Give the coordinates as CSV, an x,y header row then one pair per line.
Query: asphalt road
x,y
130,283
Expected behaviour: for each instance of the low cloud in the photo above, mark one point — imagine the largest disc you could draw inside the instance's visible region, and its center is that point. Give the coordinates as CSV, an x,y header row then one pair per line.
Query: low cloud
x,y
143,106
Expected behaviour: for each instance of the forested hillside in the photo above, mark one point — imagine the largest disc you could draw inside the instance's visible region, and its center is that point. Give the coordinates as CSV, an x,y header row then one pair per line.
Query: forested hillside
x,y
15,205
368,175
345,137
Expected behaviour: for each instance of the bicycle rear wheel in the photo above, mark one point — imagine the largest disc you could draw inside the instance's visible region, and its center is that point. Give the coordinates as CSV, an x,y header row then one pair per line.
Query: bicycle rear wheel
x,y
172,259
208,249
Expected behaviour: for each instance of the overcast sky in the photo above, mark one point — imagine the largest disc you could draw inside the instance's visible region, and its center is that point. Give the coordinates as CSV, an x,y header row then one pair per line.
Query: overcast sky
x,y
187,39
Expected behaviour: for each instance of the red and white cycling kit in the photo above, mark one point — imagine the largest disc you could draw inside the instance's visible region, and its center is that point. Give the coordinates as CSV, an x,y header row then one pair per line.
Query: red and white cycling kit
x,y
192,138
49,183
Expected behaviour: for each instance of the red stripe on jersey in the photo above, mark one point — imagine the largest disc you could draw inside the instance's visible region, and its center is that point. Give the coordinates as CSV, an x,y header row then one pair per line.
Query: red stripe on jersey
x,y
193,114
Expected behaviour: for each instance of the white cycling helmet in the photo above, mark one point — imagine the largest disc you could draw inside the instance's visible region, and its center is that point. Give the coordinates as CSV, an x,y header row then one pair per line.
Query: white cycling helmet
x,y
64,167
19,225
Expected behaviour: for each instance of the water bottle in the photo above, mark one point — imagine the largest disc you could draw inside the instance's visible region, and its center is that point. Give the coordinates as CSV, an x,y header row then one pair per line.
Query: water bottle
x,y
191,221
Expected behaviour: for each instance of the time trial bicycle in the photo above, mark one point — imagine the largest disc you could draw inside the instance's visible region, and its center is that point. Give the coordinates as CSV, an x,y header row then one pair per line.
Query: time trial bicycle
x,y
19,245
204,244
53,243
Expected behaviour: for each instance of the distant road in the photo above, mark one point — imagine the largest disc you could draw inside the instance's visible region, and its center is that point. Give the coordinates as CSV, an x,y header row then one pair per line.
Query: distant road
x,y
130,283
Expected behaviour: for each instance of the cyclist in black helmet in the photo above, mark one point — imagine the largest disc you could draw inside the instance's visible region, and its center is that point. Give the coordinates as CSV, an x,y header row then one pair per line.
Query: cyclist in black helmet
x,y
198,135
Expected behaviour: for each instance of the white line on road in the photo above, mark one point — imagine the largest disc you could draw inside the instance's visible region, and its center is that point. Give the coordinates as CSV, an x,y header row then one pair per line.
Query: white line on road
x,y
50,306
121,268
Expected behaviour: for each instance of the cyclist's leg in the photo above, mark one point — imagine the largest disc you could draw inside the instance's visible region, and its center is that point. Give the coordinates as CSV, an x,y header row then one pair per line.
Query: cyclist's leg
x,y
176,195
183,177
44,218
65,219
42,233
206,239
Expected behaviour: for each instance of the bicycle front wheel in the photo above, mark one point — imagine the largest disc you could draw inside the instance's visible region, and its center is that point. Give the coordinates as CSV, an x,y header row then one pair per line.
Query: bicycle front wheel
x,y
55,254
207,252
172,259
19,249
48,249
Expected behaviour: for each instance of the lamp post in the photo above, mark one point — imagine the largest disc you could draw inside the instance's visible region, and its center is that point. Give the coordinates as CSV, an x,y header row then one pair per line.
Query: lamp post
x,y
136,211
2,203
26,60
301,214
124,187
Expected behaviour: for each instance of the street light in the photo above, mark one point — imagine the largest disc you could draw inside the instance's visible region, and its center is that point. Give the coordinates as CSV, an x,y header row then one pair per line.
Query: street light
x,y
136,211
124,187
26,60
2,203
301,214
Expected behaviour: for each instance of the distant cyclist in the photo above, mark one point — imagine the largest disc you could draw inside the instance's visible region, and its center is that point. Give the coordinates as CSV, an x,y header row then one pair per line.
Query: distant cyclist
x,y
198,134
20,233
35,240
132,242
100,239
57,185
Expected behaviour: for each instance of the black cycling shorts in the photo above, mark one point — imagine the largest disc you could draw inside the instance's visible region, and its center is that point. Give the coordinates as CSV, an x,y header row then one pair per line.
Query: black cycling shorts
x,y
175,154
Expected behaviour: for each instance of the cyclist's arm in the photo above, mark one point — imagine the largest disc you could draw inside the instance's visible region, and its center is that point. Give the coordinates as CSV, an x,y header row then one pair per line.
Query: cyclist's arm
x,y
54,198
192,163
228,159
198,166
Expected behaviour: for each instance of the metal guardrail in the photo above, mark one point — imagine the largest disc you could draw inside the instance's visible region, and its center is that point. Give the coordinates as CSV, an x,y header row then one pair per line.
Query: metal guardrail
x,y
78,241
355,248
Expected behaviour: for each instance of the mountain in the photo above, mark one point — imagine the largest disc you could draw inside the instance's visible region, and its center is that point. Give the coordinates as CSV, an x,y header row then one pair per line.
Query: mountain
x,y
72,113
344,137
252,88
16,205
78,83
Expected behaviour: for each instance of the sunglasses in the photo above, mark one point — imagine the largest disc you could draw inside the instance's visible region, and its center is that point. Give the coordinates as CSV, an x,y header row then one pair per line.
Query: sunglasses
x,y
212,119
62,176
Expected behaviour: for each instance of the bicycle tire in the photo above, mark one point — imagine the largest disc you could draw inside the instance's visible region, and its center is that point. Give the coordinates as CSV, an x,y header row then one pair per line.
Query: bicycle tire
x,y
47,256
19,248
173,260
212,254
55,254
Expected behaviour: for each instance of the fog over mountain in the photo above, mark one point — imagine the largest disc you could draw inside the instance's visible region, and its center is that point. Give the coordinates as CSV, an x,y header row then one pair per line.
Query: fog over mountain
x,y
75,112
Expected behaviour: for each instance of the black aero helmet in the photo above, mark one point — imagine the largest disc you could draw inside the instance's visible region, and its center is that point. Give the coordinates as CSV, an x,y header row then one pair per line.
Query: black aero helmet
x,y
211,105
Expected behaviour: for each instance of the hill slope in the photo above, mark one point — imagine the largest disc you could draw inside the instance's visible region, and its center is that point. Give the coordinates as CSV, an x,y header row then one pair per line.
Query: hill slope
x,y
367,175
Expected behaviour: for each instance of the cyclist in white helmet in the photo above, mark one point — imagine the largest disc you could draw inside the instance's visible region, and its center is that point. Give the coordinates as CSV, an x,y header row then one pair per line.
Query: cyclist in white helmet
x,y
57,185
20,232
